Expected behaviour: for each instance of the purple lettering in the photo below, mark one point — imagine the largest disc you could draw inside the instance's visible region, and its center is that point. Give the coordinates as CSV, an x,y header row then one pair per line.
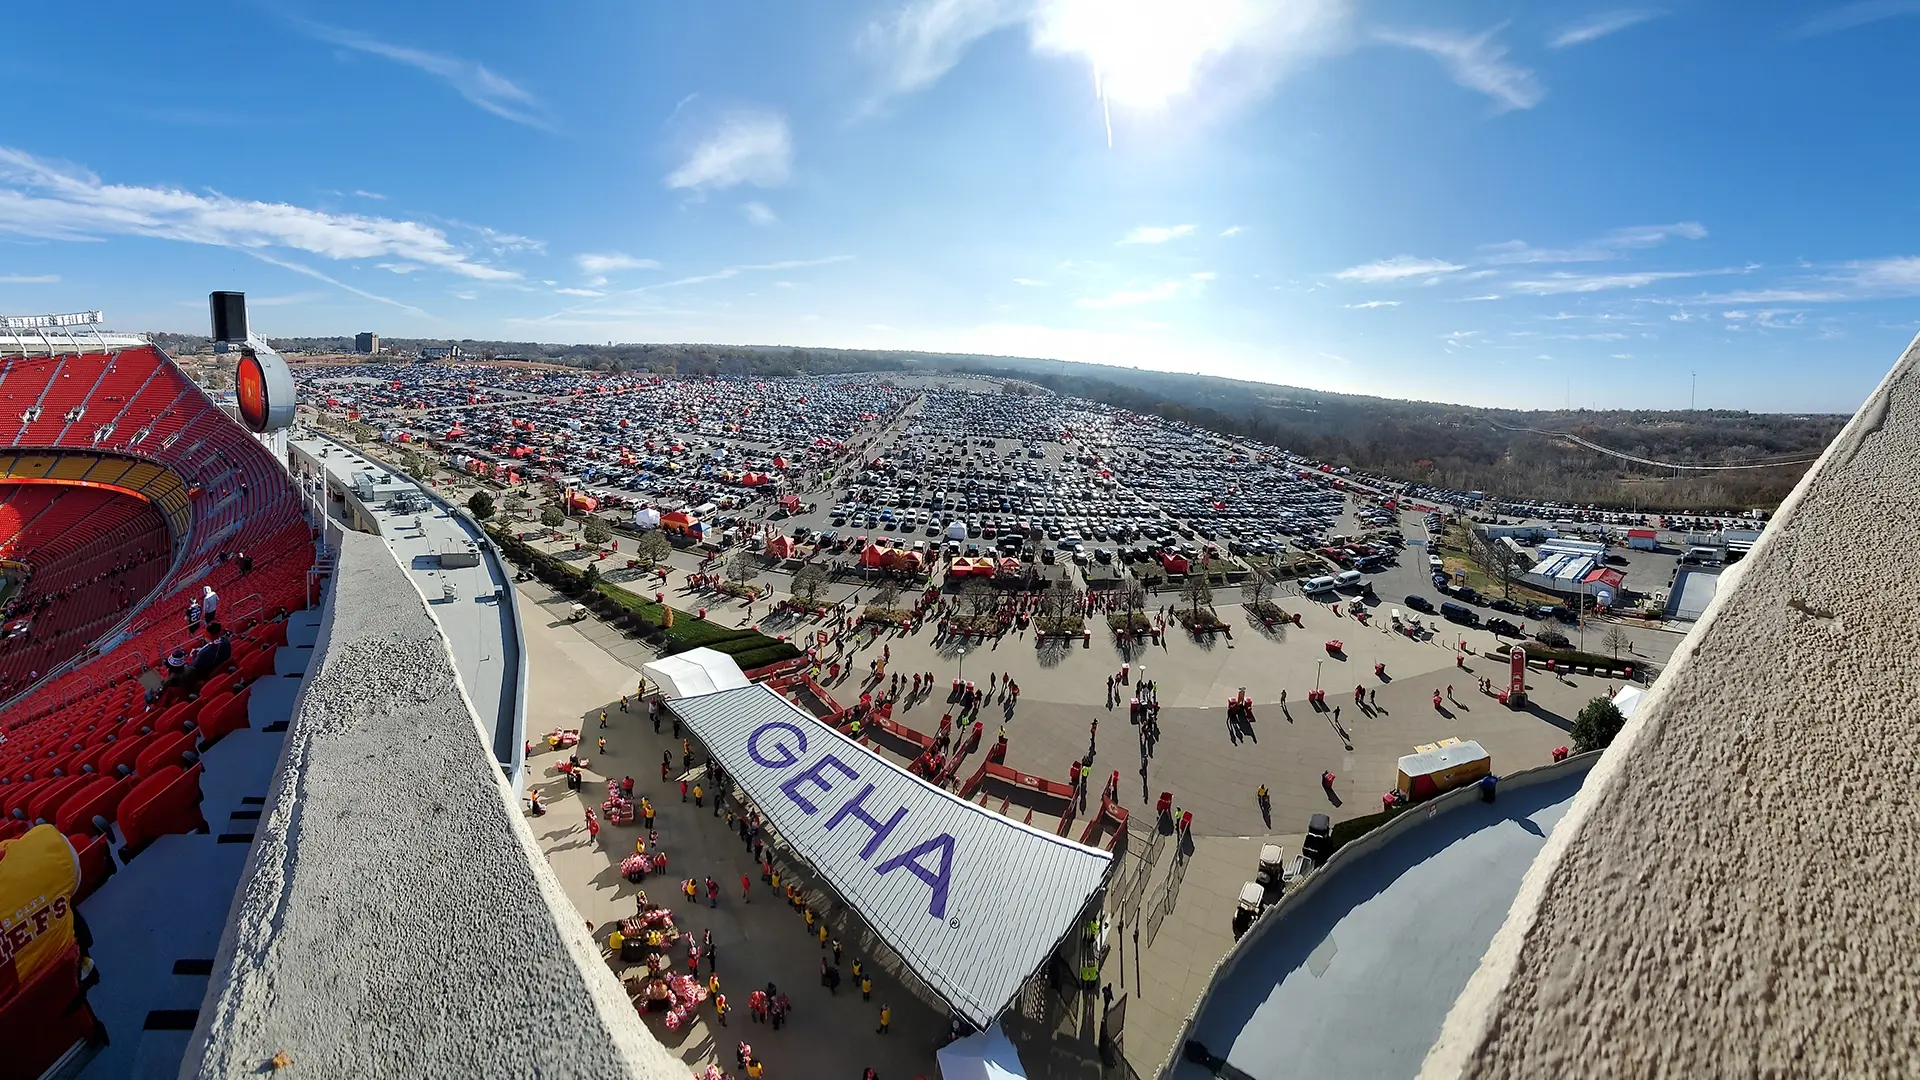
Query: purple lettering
x,y
785,755
814,775
939,880
855,809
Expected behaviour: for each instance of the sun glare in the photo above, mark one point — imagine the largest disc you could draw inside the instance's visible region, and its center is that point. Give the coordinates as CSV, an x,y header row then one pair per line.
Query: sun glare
x,y
1145,53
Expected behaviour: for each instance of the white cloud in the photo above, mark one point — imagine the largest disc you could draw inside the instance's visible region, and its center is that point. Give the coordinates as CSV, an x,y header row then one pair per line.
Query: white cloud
x,y
1477,299
1203,275
1156,234
480,86
1476,62
1374,304
750,146
1398,268
924,39
726,272
1557,284
59,202
1623,356
1849,16
464,294
1165,290
579,292
1142,53
611,261
1599,26
1030,283
369,195
1232,230
30,279
301,268
760,213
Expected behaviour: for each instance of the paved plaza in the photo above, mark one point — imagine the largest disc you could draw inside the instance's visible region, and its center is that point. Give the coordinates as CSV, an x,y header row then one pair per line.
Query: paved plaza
x,y
579,669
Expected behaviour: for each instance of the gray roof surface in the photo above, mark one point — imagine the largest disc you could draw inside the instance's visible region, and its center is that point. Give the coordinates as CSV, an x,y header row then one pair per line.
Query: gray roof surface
x,y
479,618
1357,979
974,928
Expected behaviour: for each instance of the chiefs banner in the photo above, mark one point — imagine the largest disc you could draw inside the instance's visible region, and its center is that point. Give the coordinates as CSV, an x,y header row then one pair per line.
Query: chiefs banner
x,y
38,875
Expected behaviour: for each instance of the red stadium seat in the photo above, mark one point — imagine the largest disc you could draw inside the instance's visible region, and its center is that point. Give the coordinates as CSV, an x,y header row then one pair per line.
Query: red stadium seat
x,y
164,804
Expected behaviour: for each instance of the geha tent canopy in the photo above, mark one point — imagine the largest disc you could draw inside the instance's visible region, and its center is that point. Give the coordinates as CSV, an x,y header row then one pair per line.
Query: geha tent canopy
x,y
974,901
694,672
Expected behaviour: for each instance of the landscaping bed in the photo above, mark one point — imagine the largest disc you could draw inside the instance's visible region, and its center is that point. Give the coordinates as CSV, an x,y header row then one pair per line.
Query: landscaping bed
x,y
1063,626
1122,622
1268,612
1203,621
1566,657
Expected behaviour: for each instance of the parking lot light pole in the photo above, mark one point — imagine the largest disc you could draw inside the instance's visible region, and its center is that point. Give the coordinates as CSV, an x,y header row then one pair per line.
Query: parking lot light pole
x,y
963,664
1316,673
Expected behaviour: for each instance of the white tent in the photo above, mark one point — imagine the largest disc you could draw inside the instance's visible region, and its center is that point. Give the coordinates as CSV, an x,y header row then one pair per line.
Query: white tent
x,y
693,673
646,518
1627,699
986,1056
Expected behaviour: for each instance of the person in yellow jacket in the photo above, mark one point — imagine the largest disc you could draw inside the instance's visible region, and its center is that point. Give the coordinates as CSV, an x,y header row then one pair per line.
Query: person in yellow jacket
x,y
720,1008
886,1018
39,872
755,1070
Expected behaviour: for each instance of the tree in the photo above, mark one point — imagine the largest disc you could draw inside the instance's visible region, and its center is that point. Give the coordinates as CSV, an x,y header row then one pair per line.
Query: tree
x,y
1615,640
1133,598
1197,590
653,547
515,505
980,596
550,517
808,583
742,566
1597,726
885,594
1259,588
595,532
590,577
481,504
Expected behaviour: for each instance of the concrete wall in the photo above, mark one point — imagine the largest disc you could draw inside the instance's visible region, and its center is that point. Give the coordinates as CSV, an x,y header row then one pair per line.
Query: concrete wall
x,y
1274,919
1730,893
396,918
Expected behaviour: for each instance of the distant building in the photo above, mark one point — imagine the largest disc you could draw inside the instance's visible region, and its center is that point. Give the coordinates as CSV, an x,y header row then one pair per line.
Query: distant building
x,y
441,352
368,343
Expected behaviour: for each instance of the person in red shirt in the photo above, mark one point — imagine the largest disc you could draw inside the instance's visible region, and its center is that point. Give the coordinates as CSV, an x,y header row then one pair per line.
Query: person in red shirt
x,y
746,883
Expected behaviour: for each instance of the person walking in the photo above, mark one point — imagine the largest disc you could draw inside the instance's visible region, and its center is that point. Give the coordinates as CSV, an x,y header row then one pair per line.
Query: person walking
x,y
713,892
683,791
713,955
623,703
866,987
666,765
603,744
886,1019
836,952
603,718
720,1007
746,883
646,812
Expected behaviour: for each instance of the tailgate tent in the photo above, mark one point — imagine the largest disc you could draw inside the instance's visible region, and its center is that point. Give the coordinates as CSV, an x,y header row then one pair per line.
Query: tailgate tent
x,y
989,1055
972,901
694,672
646,518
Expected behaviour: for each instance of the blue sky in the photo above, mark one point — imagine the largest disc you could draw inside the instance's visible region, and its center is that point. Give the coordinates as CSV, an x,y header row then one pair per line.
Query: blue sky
x,y
1493,203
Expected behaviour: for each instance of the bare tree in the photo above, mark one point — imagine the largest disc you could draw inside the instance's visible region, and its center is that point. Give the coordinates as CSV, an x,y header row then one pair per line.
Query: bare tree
x,y
653,546
980,596
1615,640
1259,588
742,566
1197,591
1133,599
885,593
809,582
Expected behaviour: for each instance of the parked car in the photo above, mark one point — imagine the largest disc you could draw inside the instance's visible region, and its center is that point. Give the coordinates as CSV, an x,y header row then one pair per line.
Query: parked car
x,y
1553,638
1503,628
1506,605
1420,603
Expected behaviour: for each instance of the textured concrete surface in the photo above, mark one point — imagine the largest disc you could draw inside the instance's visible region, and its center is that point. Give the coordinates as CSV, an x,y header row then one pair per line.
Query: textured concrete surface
x,y
397,918
1729,895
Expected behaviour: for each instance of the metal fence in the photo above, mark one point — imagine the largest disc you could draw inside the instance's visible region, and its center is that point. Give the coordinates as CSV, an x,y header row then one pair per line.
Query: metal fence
x,y
1168,896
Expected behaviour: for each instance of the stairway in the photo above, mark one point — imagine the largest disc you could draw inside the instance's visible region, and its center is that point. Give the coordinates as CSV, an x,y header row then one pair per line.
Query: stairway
x,y
157,922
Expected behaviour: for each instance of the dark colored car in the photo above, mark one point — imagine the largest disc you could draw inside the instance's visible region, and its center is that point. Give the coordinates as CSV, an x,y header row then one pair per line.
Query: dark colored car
x,y
1505,605
1554,638
1503,628
1420,603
